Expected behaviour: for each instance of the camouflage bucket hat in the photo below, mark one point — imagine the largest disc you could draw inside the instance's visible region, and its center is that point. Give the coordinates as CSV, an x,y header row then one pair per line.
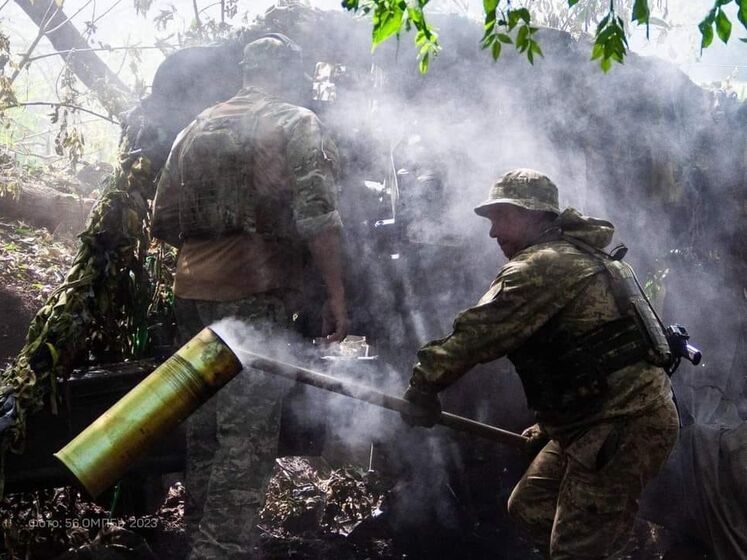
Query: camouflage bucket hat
x,y
525,188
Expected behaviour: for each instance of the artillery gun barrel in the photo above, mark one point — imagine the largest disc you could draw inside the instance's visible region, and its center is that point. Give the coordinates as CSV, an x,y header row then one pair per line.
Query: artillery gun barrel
x,y
371,396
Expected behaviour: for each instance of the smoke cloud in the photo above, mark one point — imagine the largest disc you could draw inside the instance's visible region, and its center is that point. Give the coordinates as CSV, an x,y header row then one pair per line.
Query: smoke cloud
x,y
642,146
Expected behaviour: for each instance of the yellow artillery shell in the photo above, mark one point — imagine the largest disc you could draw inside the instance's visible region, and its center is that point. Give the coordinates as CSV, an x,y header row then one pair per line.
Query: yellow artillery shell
x,y
106,449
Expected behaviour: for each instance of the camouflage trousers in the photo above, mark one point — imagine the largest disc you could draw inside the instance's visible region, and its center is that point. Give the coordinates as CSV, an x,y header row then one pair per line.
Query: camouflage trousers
x,y
579,501
232,439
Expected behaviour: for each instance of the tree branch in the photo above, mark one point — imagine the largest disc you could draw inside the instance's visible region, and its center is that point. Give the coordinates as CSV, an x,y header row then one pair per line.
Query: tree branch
x,y
42,30
109,9
206,8
68,105
197,14
87,66
98,49
69,18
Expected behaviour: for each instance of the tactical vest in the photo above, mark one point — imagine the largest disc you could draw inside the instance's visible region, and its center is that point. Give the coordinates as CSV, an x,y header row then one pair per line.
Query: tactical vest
x,y
215,191
565,376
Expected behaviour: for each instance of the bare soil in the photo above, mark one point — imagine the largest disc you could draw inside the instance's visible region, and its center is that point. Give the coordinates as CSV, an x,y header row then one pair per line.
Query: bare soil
x,y
32,264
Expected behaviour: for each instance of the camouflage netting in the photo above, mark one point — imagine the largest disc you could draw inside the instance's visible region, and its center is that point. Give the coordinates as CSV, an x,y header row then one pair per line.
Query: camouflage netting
x,y
98,313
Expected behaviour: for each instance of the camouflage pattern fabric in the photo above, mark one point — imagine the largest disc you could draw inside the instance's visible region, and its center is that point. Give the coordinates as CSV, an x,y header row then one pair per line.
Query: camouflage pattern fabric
x,y
525,188
266,168
252,164
231,439
580,501
549,280
274,185
580,494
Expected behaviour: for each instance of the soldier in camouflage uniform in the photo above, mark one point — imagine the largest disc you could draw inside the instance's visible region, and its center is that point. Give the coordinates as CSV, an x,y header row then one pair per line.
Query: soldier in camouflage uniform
x,y
246,186
588,348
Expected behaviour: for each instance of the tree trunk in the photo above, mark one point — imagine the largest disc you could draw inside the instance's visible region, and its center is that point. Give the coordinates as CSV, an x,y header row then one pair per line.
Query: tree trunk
x,y
87,66
40,206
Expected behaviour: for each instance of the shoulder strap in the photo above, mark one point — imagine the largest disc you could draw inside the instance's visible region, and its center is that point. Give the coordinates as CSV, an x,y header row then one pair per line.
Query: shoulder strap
x,y
618,291
631,298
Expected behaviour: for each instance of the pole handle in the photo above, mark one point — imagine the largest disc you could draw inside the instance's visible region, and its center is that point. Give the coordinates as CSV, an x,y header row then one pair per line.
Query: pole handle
x,y
371,396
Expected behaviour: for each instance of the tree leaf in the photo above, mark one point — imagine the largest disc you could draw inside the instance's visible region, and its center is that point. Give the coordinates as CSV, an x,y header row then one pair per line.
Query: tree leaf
x,y
496,50
706,30
521,38
487,40
642,13
603,23
490,6
723,26
424,62
514,16
524,14
503,38
597,51
742,12
387,21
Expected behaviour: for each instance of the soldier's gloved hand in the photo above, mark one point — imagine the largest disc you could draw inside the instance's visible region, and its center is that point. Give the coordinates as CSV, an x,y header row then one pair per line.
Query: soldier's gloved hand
x,y
427,407
538,438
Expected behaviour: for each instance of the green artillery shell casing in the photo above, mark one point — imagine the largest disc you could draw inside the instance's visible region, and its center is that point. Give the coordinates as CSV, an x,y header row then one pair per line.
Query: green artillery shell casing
x,y
107,448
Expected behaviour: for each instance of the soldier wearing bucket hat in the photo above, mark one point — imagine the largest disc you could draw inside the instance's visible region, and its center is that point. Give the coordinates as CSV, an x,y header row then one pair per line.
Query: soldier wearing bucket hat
x,y
525,188
590,353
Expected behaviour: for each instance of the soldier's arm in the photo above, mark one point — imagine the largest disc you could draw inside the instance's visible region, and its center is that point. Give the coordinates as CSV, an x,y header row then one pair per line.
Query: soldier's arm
x,y
326,250
165,217
518,303
313,159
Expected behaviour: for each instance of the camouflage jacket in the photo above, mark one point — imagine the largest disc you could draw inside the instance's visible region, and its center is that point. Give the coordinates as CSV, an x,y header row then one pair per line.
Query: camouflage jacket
x,y
291,176
282,183
550,279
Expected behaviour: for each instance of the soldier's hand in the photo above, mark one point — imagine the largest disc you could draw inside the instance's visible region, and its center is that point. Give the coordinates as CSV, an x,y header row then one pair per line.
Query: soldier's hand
x,y
538,438
427,408
335,320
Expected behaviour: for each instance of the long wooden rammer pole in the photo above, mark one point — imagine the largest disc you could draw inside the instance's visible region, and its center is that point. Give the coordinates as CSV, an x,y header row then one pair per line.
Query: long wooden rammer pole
x,y
371,396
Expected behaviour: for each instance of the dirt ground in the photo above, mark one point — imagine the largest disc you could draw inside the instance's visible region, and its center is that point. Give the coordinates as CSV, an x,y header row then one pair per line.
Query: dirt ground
x,y
17,312
312,512
32,265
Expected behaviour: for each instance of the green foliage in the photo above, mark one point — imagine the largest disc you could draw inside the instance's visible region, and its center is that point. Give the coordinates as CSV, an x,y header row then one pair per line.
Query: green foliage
x,y
641,13
500,24
390,16
387,20
610,43
718,19
99,311
505,25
